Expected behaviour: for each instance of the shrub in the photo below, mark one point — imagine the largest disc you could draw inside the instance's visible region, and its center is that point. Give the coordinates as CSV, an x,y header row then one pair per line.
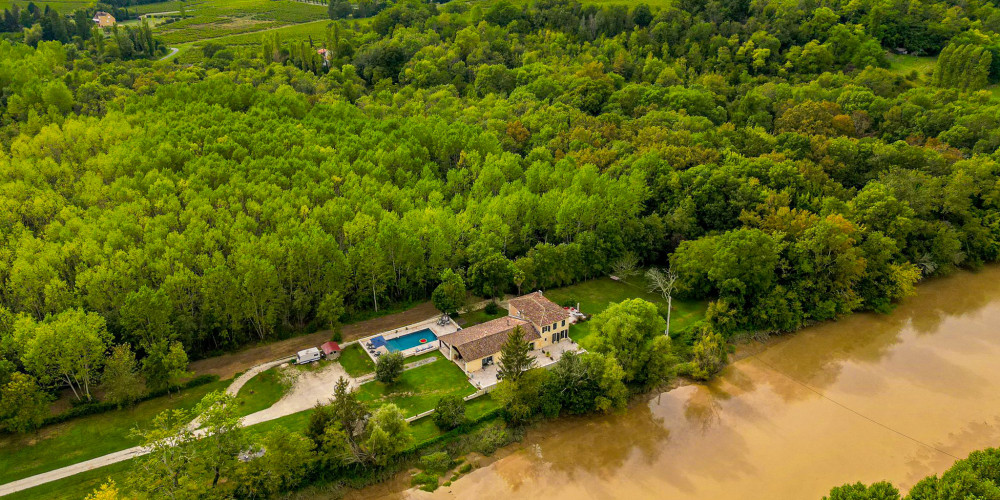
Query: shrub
x,y
389,367
492,308
338,336
449,413
437,463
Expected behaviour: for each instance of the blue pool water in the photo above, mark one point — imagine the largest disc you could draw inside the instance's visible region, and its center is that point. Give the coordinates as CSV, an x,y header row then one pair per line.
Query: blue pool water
x,y
411,340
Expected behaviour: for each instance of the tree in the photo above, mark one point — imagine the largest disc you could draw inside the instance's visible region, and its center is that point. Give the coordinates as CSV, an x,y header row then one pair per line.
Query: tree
x,y
224,437
386,435
23,405
584,383
283,466
662,282
121,380
492,276
625,266
515,356
449,295
858,491
708,355
632,333
449,412
169,467
165,366
68,347
389,367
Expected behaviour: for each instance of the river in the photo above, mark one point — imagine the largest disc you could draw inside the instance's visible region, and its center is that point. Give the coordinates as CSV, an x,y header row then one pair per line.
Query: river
x,y
867,398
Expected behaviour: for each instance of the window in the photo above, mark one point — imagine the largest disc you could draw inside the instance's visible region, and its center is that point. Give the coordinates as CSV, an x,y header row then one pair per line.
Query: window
x,y
564,323
488,360
555,325
555,337
545,329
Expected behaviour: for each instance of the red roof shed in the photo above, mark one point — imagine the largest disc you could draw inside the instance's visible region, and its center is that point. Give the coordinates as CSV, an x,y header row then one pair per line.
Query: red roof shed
x,y
330,348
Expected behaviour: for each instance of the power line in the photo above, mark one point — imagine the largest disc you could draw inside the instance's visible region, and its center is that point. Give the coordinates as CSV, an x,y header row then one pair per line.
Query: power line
x,y
834,401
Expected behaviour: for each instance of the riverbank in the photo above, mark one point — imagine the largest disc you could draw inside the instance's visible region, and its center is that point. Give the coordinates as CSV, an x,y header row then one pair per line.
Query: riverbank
x,y
867,398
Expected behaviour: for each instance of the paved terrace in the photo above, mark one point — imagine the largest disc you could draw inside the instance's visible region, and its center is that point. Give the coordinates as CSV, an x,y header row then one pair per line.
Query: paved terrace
x,y
487,377
432,324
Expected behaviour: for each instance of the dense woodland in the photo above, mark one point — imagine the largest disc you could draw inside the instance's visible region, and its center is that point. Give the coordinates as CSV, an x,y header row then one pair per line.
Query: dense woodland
x,y
761,150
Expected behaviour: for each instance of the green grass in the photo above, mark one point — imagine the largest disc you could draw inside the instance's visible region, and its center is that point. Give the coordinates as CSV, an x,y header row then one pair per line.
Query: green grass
x,y
80,485
262,391
356,361
87,437
480,316
61,6
595,296
77,486
419,389
904,65
220,18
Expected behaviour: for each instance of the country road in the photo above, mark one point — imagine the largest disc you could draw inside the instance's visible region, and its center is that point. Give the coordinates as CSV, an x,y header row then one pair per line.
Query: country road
x,y
310,388
173,50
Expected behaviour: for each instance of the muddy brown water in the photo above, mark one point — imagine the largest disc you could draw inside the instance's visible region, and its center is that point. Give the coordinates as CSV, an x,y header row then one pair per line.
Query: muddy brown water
x,y
867,398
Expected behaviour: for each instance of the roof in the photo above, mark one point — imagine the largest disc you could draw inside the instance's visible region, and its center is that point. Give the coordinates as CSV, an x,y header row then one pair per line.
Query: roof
x,y
312,351
330,347
537,309
487,338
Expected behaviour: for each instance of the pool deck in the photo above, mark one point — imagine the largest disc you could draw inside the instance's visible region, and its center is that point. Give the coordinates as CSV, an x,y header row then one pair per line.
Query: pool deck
x,y
430,324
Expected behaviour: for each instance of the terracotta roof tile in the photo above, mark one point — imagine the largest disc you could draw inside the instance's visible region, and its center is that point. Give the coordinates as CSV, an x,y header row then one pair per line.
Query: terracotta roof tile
x,y
487,338
537,309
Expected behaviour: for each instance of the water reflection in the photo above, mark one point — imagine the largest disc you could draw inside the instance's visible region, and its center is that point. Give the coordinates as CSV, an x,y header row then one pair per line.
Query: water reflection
x,y
867,398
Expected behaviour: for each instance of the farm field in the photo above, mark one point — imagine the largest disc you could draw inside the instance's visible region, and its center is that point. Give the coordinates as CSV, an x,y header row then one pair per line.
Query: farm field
x,y
215,19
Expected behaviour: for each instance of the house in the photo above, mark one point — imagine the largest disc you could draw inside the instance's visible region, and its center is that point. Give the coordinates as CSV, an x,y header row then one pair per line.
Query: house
x,y
103,19
331,350
542,322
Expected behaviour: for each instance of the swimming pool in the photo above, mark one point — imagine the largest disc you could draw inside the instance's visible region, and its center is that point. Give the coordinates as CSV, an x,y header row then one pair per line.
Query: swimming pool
x,y
411,340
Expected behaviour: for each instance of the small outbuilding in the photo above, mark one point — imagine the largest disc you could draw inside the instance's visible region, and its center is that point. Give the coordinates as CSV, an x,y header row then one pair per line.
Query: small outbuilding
x,y
331,350
307,356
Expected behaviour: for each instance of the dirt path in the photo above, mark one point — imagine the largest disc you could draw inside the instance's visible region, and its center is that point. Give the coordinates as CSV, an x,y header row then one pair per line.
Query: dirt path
x,y
228,365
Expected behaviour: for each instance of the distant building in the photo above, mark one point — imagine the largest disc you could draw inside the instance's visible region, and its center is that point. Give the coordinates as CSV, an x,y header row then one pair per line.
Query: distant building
x,y
103,19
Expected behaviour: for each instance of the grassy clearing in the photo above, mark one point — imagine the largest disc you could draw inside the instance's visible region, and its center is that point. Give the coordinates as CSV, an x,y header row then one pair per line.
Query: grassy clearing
x,y
356,361
419,389
88,437
904,65
262,391
595,296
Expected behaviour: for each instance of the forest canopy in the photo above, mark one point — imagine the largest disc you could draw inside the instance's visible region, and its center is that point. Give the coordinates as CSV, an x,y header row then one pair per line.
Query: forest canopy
x,y
762,150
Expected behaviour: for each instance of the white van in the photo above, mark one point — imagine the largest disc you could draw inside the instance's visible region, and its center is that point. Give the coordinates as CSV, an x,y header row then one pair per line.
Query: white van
x,y
307,356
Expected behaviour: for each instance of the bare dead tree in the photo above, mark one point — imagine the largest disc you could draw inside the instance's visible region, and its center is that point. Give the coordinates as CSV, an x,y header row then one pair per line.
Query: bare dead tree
x,y
662,282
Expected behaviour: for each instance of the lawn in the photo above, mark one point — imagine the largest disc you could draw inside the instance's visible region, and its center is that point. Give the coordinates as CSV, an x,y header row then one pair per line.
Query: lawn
x,y
419,389
356,361
479,316
595,296
61,6
262,391
87,437
79,485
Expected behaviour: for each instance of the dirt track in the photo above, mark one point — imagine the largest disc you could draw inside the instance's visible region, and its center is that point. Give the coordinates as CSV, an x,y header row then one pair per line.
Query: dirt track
x,y
228,365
